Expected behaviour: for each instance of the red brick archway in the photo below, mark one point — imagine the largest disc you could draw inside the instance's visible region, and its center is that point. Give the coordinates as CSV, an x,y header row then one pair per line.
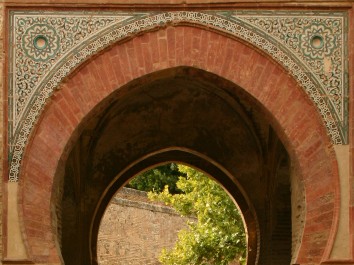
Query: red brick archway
x,y
292,114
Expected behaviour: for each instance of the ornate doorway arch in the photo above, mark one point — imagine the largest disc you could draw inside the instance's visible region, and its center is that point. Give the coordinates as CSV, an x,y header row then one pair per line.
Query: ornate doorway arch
x,y
286,106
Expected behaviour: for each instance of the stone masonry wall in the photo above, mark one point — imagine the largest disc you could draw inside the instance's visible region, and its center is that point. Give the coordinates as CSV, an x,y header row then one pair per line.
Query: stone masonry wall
x,y
2,127
133,230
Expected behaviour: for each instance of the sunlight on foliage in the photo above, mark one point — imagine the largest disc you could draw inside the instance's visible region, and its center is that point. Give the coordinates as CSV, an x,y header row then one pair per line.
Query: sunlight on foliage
x,y
217,237
157,178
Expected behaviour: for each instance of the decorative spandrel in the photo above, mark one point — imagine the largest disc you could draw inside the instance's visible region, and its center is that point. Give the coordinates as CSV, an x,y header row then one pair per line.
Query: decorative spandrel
x,y
45,46
318,41
41,41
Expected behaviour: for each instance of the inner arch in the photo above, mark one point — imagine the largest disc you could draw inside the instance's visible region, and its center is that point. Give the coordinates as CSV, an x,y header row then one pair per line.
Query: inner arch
x,y
187,115
134,218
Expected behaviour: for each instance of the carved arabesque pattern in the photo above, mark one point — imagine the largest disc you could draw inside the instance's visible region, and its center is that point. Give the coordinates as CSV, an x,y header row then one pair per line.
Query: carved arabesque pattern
x,y
28,104
325,60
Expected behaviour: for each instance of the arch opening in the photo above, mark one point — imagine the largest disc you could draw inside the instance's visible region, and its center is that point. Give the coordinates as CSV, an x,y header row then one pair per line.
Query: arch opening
x,y
141,220
187,115
72,116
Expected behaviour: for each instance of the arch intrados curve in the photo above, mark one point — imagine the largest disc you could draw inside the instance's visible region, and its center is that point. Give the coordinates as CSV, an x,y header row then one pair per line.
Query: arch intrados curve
x,y
202,163
289,109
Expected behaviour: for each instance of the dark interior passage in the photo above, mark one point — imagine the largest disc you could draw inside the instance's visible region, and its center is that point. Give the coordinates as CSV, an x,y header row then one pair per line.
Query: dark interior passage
x,y
184,115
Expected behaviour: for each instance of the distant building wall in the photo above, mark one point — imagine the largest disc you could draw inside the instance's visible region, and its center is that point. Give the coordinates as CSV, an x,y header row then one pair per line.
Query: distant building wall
x,y
134,230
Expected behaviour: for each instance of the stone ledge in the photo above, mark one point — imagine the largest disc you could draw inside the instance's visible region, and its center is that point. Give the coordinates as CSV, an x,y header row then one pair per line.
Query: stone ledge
x,y
17,261
182,3
138,199
338,262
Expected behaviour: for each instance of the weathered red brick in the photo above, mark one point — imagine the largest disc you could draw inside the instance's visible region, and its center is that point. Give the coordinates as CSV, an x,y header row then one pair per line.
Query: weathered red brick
x,y
295,118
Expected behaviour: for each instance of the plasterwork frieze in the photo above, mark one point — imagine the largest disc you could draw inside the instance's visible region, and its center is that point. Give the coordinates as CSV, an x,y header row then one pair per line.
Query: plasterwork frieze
x,y
46,46
318,42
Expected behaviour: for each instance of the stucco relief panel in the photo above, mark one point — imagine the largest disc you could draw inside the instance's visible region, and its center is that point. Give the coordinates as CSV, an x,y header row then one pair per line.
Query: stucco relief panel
x,y
45,46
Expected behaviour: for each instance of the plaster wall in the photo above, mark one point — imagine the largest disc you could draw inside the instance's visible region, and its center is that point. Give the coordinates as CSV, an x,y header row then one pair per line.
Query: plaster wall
x,y
15,246
341,248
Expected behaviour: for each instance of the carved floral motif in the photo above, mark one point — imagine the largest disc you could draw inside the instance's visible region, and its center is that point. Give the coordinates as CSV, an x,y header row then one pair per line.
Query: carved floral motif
x,y
46,46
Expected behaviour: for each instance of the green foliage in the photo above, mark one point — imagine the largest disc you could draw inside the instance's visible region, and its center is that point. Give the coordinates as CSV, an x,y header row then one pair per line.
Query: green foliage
x,y
218,236
157,178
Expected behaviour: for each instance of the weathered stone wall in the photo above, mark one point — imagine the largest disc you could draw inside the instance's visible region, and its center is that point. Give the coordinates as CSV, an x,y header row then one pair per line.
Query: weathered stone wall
x,y
1,115
298,212
133,230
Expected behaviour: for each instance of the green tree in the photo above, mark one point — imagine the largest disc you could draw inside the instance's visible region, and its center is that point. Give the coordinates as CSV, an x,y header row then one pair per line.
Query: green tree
x,y
157,178
217,236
